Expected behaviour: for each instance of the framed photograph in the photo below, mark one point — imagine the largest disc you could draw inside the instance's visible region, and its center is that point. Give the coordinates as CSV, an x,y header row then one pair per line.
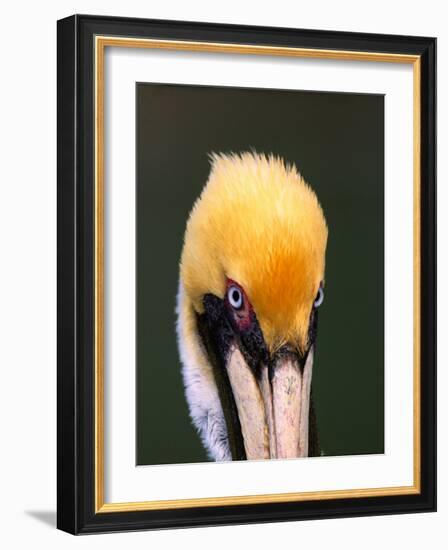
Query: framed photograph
x,y
246,274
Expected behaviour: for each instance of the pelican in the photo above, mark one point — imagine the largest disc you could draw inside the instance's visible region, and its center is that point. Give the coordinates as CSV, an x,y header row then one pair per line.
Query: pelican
x,y
251,280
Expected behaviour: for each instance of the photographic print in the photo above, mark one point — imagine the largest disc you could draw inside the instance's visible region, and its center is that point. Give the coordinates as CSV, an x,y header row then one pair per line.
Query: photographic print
x,y
260,274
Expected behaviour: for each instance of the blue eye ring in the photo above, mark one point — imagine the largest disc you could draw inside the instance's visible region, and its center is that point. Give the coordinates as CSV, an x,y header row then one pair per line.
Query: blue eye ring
x,y
235,297
319,298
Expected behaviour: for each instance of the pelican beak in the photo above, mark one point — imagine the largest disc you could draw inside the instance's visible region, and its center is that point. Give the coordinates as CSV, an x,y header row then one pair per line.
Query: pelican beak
x,y
266,398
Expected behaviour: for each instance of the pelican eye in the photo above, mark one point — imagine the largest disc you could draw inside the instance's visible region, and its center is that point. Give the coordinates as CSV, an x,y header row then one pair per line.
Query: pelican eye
x,y
235,297
319,298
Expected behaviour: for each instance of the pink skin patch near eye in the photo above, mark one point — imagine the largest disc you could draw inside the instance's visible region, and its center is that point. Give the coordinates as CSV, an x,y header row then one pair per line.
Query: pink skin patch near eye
x,y
243,315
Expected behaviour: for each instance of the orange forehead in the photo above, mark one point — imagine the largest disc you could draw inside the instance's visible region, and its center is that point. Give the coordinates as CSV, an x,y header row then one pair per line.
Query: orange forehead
x,y
282,293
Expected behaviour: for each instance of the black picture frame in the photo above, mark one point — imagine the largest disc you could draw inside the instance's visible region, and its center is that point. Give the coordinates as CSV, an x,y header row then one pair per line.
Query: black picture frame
x,y
76,512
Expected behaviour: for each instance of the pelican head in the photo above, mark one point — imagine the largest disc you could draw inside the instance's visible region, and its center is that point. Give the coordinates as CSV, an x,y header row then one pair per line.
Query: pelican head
x,y
251,281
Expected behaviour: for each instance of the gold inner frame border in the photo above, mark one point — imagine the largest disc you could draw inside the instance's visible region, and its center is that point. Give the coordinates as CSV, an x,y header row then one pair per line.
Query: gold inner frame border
x,y
100,44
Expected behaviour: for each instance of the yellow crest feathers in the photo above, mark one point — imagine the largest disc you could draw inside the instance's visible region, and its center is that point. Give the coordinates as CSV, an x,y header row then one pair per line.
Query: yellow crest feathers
x,y
258,223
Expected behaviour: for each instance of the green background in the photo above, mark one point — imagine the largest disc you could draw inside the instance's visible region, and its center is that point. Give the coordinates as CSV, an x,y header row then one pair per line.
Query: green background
x,y
337,142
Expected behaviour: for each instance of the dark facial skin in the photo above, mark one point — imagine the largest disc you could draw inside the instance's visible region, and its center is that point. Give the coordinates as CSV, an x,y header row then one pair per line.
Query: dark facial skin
x,y
221,326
